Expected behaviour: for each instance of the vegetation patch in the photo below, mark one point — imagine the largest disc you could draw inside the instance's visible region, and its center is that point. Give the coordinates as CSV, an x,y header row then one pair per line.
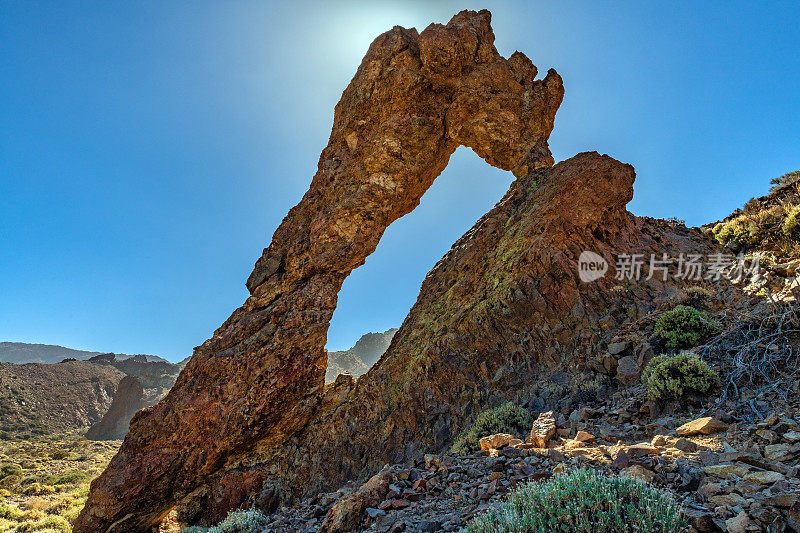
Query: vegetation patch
x,y
677,376
791,226
44,481
684,327
508,418
248,521
583,501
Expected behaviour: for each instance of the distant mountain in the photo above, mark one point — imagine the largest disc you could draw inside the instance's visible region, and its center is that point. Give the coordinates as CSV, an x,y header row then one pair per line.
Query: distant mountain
x,y
22,352
358,359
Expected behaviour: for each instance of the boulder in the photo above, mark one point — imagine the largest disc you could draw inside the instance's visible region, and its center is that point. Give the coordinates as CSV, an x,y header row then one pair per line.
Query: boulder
x,y
628,370
543,430
702,426
496,441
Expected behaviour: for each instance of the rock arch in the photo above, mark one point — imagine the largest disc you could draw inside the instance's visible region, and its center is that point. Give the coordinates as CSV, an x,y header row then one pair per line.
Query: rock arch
x,y
414,99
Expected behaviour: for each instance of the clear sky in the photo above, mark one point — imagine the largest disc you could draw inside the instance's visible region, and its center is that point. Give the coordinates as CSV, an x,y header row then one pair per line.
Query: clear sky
x,y
149,149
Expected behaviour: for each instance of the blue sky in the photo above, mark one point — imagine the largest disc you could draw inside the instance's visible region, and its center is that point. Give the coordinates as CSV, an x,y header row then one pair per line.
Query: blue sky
x,y
148,150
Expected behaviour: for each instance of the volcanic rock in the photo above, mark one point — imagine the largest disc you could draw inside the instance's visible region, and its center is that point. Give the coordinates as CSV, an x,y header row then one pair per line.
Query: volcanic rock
x,y
543,430
250,414
702,426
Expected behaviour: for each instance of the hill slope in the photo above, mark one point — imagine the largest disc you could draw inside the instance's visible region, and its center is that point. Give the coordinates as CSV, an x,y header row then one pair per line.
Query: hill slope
x,y
38,398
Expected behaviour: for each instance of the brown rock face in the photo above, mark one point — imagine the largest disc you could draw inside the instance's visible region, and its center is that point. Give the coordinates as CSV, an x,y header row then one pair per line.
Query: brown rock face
x,y
128,399
258,380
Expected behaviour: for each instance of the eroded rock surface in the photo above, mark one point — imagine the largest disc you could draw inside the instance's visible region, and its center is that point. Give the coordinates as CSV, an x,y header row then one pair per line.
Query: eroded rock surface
x,y
257,382
128,399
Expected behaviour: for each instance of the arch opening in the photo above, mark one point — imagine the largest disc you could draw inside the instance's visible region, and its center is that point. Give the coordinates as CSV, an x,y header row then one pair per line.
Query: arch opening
x,y
376,297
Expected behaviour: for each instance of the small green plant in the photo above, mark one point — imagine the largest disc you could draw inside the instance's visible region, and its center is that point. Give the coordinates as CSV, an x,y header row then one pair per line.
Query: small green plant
x,y
246,521
791,226
684,327
508,418
677,376
583,501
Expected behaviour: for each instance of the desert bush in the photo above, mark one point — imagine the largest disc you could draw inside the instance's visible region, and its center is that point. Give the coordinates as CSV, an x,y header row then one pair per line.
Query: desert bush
x,y
8,512
697,297
583,501
249,521
59,455
48,523
786,179
508,418
791,226
684,327
10,469
678,376
70,476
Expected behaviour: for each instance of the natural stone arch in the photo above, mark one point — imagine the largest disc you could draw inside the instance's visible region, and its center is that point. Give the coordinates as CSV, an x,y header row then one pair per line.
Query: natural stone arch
x,y
414,100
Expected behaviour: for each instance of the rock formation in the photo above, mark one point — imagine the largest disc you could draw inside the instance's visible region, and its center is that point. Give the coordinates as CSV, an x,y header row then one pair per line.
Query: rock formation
x,y
249,420
128,399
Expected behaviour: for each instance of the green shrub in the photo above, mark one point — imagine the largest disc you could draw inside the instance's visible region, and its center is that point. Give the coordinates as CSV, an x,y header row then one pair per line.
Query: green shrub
x,y
740,232
249,521
59,455
676,376
507,418
684,327
583,501
8,512
791,226
10,469
70,476
49,523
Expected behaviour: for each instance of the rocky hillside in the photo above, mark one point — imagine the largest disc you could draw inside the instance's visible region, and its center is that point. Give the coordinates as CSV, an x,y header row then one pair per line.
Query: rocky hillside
x,y
155,375
22,352
358,359
40,398
507,316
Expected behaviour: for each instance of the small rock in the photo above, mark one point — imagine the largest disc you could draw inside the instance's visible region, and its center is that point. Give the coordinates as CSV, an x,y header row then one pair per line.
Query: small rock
x,y
725,470
622,460
642,449
432,461
627,370
616,348
659,440
375,513
738,524
702,426
778,452
764,477
685,445
638,472
429,526
584,436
